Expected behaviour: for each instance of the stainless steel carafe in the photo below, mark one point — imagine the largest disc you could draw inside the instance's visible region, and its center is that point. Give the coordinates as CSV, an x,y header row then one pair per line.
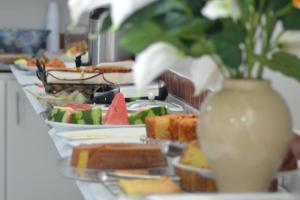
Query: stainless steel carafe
x,y
103,47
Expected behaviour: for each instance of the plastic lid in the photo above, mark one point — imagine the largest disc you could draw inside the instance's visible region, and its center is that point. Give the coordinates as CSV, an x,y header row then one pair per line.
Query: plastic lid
x,y
145,104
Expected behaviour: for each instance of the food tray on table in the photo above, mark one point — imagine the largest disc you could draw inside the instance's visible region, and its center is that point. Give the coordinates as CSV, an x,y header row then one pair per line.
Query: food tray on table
x,y
74,116
67,126
201,171
281,184
170,148
104,135
85,79
111,179
102,175
34,69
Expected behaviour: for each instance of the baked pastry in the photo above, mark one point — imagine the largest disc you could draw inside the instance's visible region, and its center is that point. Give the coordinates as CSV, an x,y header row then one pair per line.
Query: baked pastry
x,y
157,127
174,122
191,181
170,126
146,187
187,129
117,156
194,156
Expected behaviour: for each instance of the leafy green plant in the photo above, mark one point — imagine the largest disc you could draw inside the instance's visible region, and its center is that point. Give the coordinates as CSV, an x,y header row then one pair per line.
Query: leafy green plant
x,y
242,47
235,38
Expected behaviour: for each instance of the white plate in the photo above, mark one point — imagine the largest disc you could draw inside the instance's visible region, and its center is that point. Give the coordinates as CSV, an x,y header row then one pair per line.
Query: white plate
x,y
33,69
208,173
105,135
66,126
96,175
26,68
203,172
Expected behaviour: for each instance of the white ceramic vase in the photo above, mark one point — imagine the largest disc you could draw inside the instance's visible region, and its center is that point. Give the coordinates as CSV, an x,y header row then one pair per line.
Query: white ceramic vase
x,y
245,131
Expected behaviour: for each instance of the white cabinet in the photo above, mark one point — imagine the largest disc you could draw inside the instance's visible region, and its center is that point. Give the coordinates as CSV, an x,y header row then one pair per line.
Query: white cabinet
x,y
31,172
2,140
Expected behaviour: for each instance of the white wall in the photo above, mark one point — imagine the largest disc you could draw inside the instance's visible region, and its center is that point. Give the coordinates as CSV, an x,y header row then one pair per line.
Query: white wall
x,y
31,14
290,91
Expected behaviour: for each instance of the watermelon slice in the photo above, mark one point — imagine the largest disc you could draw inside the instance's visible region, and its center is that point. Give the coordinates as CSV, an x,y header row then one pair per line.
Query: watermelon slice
x,y
140,117
78,106
117,112
61,114
92,116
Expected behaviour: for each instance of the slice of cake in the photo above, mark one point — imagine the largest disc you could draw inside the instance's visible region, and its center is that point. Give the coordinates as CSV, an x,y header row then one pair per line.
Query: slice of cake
x,y
146,187
174,124
158,127
117,156
194,156
187,129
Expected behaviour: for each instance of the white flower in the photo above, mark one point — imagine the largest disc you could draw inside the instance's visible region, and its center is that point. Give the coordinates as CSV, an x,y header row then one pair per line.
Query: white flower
x,y
78,7
153,61
161,56
289,41
215,9
120,9
205,74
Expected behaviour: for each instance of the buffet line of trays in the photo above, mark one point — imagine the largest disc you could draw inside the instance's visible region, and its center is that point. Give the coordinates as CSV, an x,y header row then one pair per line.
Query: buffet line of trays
x,y
134,147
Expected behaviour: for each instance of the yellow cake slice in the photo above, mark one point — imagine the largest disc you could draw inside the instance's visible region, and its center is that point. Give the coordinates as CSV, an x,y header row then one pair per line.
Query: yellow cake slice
x,y
140,187
194,156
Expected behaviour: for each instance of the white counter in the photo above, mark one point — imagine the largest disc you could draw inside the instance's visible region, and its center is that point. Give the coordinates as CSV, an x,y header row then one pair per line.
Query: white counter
x,y
96,191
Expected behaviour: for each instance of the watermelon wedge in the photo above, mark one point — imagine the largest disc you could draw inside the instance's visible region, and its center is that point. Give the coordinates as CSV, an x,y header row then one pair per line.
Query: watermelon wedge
x,y
61,114
117,112
78,106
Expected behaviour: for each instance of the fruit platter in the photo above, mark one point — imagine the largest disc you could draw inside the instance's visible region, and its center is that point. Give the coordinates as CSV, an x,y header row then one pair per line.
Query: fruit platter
x,y
85,116
31,66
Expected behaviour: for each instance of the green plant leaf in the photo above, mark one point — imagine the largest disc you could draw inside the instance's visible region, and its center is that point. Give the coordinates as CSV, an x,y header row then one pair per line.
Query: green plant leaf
x,y
157,9
192,29
285,63
172,20
244,6
227,44
279,4
291,21
201,46
182,35
195,6
140,36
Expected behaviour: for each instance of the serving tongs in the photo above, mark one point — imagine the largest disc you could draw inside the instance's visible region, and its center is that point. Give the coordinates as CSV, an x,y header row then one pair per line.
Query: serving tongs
x,y
169,148
41,72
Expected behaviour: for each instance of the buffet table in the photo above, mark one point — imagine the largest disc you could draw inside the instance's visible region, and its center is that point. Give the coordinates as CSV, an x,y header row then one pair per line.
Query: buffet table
x,y
96,191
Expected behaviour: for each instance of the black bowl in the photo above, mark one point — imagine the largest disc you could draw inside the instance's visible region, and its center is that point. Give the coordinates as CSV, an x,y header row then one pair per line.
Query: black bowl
x,y
104,94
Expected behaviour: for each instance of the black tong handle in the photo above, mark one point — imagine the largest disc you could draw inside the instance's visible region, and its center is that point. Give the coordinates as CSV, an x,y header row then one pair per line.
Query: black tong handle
x,y
41,71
